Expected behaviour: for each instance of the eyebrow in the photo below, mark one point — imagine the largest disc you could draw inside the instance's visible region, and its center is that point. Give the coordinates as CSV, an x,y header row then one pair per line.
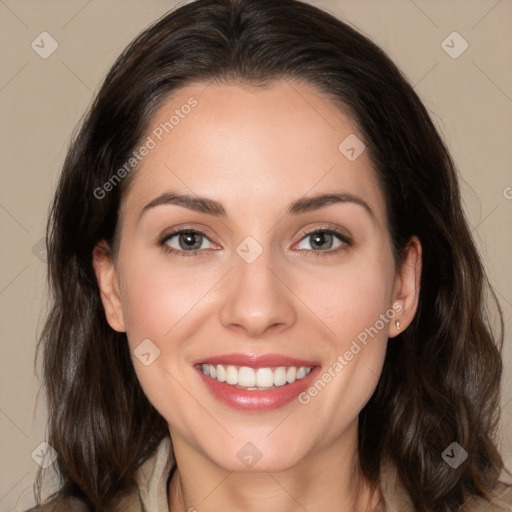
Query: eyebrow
x,y
215,208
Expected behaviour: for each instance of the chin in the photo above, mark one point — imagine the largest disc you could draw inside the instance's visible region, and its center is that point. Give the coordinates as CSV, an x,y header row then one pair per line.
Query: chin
x,y
256,456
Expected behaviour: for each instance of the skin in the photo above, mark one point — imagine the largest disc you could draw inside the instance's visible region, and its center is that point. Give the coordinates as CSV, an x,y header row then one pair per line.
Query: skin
x,y
256,151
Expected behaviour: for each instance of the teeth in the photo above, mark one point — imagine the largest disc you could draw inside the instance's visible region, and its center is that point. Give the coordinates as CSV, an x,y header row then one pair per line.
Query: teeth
x,y
280,376
221,373
291,374
231,375
264,377
246,377
260,378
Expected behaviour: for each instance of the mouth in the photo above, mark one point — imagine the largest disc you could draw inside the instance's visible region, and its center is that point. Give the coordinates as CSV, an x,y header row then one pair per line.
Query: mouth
x,y
256,383
255,379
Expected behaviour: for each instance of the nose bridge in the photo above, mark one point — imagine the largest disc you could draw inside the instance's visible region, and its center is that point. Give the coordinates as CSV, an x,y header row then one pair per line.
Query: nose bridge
x,y
256,298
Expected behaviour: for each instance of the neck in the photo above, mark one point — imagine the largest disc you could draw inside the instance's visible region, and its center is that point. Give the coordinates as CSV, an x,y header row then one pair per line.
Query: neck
x,y
327,480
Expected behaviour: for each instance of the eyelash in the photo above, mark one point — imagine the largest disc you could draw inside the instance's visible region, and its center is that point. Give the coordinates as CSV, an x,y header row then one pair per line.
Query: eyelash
x,y
346,243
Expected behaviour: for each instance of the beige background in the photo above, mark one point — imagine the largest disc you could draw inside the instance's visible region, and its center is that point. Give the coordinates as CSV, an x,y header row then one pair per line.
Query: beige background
x,y
41,100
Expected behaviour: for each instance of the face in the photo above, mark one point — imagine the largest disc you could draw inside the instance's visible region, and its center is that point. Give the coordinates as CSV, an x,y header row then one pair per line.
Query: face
x,y
254,248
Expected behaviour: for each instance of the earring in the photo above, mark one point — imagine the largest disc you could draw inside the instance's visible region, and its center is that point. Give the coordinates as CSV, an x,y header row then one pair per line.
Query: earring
x,y
397,323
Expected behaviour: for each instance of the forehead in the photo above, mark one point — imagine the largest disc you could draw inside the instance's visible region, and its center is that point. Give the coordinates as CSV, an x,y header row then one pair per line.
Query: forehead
x,y
252,148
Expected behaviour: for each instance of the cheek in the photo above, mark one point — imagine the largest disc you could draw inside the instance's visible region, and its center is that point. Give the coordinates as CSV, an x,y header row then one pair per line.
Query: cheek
x,y
156,301
351,297
162,302
355,304
157,296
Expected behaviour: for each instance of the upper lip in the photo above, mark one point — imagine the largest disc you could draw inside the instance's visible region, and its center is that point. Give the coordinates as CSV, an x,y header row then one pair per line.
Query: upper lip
x,y
256,361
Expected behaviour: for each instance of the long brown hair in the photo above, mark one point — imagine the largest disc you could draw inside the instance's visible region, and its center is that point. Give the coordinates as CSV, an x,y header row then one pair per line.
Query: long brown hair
x,y
441,377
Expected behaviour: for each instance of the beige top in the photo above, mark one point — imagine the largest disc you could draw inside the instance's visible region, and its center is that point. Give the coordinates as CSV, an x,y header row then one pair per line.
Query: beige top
x,y
153,475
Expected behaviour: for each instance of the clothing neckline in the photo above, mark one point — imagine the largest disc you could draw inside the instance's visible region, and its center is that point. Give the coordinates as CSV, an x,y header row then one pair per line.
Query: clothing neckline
x,y
154,474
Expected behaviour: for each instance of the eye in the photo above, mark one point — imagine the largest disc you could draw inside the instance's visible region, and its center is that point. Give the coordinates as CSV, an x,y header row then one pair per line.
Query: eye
x,y
185,242
190,242
323,241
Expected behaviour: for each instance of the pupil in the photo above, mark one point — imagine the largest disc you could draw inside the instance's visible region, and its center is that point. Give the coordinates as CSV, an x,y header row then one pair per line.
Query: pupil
x,y
188,238
320,238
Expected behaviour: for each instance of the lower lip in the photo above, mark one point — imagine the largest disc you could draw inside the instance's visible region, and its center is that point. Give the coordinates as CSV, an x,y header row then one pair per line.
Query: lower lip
x,y
254,400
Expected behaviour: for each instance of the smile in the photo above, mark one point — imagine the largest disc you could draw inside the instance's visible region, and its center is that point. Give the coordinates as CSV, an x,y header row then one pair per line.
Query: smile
x,y
255,383
255,379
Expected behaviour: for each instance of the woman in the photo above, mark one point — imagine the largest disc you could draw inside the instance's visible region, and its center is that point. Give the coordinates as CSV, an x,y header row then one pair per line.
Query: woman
x,y
265,291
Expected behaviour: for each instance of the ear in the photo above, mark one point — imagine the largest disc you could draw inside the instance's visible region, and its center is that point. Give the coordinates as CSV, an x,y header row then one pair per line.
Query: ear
x,y
106,275
406,292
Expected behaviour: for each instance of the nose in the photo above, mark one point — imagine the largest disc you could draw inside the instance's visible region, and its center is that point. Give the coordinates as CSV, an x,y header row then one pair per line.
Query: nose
x,y
257,298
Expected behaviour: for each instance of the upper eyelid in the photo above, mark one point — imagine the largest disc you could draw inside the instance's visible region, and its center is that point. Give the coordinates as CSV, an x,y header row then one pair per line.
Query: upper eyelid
x,y
180,231
343,238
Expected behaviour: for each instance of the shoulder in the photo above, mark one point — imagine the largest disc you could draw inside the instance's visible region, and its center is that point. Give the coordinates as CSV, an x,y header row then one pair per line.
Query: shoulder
x,y
128,503
149,494
396,498
61,505
501,501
